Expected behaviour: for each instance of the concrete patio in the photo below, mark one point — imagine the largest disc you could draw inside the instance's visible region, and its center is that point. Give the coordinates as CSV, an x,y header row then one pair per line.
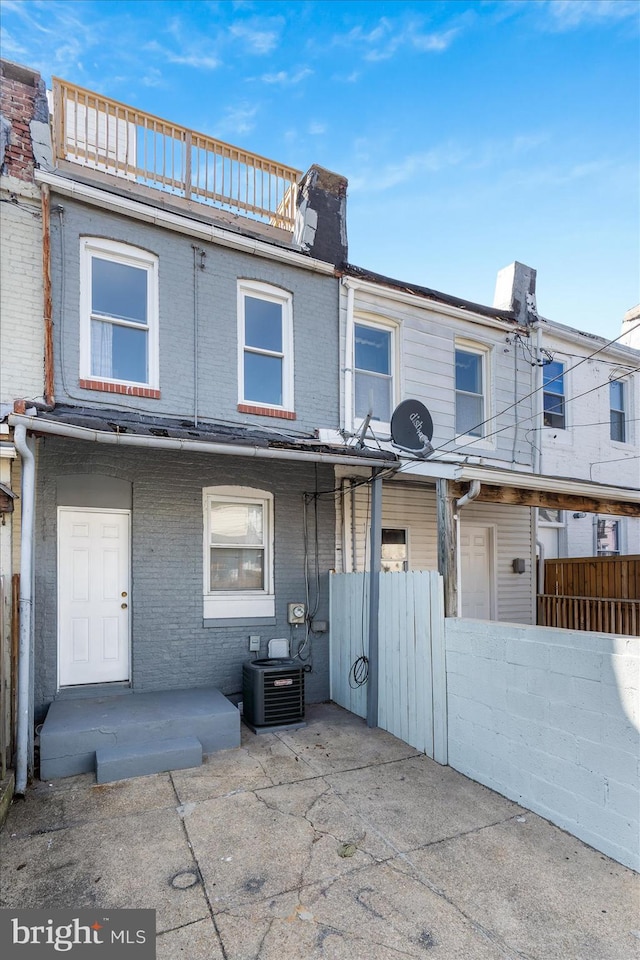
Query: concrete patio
x,y
331,841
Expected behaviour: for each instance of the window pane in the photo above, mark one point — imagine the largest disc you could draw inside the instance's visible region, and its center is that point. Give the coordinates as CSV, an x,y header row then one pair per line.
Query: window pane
x,y
237,569
617,426
608,538
373,392
119,353
616,393
237,523
550,372
118,290
468,372
263,324
547,515
553,411
263,379
373,350
469,415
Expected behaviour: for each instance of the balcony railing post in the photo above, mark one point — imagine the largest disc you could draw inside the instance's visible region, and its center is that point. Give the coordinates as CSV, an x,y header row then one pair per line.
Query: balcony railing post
x,y
187,164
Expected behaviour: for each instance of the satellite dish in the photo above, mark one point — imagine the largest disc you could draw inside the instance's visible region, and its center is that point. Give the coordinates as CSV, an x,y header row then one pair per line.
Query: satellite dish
x,y
412,428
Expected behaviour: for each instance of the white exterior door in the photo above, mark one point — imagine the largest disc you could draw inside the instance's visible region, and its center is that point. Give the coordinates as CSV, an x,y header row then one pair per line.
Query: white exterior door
x,y
477,572
93,596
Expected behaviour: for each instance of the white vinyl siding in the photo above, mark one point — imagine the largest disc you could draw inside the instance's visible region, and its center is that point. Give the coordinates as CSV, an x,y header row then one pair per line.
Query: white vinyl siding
x,y
413,508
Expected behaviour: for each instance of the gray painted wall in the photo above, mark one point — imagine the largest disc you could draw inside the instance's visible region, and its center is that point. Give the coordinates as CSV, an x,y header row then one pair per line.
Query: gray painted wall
x,y
315,323
549,718
172,647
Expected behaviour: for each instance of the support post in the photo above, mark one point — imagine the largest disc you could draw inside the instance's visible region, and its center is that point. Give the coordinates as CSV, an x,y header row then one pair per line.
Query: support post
x,y
447,548
375,540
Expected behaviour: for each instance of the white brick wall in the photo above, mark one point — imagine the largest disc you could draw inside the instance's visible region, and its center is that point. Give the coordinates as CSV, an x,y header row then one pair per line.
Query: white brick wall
x,y
550,718
22,328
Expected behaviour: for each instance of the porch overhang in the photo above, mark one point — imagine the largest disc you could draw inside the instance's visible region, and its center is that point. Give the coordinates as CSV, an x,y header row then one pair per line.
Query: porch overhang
x,y
173,436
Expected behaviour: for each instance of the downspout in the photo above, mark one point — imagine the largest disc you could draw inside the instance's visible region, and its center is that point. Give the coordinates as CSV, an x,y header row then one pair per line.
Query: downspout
x,y
348,361
539,403
471,494
25,449
49,398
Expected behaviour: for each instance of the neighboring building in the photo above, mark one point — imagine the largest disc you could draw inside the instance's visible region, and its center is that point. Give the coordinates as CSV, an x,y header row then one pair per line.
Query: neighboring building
x,y
591,396
24,145
631,328
491,379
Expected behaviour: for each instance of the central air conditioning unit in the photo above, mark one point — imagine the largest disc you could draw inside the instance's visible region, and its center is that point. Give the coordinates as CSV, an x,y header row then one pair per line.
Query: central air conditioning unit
x,y
272,693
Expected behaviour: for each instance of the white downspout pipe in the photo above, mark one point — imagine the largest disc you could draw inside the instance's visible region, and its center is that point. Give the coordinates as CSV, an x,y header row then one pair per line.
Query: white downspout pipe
x,y
348,361
24,709
472,493
538,404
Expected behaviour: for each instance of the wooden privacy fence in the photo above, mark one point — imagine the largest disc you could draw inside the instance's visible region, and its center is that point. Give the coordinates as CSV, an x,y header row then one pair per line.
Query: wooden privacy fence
x,y
412,675
592,593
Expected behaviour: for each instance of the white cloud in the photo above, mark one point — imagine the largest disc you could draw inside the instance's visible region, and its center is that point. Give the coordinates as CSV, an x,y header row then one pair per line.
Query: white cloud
x,y
389,37
413,166
259,36
316,128
284,79
572,14
237,120
192,56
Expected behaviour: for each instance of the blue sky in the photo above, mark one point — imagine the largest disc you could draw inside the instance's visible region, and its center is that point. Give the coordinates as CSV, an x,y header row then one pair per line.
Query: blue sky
x,y
472,134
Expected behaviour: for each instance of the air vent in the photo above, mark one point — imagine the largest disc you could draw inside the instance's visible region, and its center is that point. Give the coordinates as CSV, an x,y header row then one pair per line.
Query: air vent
x,y
273,692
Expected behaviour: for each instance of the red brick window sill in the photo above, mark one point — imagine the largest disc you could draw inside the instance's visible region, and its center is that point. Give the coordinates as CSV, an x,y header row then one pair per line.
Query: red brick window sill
x,y
148,392
266,411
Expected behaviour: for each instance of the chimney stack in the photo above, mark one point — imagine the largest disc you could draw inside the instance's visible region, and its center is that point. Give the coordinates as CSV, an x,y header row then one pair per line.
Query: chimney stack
x,y
516,291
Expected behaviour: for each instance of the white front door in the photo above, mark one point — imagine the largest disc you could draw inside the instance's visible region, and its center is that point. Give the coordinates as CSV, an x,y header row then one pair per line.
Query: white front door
x,y
93,596
476,573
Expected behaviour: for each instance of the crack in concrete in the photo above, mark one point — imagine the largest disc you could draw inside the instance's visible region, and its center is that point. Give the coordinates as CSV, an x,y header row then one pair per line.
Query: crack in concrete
x,y
200,874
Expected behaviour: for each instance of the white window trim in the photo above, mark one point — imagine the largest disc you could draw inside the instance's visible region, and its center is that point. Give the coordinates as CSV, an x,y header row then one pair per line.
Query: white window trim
x,y
264,291
133,257
622,530
484,351
626,397
565,396
248,603
381,427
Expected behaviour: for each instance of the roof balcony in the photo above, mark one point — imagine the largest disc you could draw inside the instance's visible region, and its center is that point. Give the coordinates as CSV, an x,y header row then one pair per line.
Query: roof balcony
x,y
112,138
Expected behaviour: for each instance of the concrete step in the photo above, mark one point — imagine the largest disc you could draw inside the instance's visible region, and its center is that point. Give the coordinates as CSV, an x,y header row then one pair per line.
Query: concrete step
x,y
141,759
75,729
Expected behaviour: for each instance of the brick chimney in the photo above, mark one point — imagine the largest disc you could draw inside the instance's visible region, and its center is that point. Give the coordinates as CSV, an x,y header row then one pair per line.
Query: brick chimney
x,y
25,139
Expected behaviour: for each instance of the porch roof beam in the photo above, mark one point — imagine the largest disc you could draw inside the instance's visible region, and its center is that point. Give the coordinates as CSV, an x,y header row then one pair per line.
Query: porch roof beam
x,y
527,497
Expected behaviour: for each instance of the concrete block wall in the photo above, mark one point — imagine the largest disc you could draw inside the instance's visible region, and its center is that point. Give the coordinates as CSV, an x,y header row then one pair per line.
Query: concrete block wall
x,y
550,718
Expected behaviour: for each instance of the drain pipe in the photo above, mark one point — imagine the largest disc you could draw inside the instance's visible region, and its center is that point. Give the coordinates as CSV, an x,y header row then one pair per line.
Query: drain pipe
x,y
24,447
472,493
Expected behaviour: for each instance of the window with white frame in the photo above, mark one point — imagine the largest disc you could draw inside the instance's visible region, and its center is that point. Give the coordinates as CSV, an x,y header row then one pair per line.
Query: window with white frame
x,y
395,553
617,417
238,552
265,363
553,395
119,313
607,537
471,396
373,362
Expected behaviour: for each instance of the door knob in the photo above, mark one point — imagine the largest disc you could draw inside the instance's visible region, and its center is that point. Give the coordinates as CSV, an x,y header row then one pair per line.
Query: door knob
x,y
124,606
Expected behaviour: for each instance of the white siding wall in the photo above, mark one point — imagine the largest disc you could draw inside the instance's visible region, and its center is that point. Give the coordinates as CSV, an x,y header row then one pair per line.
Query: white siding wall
x,y
22,328
584,449
413,507
426,370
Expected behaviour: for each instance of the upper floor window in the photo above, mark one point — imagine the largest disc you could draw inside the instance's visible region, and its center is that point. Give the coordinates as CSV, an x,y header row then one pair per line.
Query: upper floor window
x,y
238,552
119,313
471,412
373,371
553,395
265,361
617,411
607,537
